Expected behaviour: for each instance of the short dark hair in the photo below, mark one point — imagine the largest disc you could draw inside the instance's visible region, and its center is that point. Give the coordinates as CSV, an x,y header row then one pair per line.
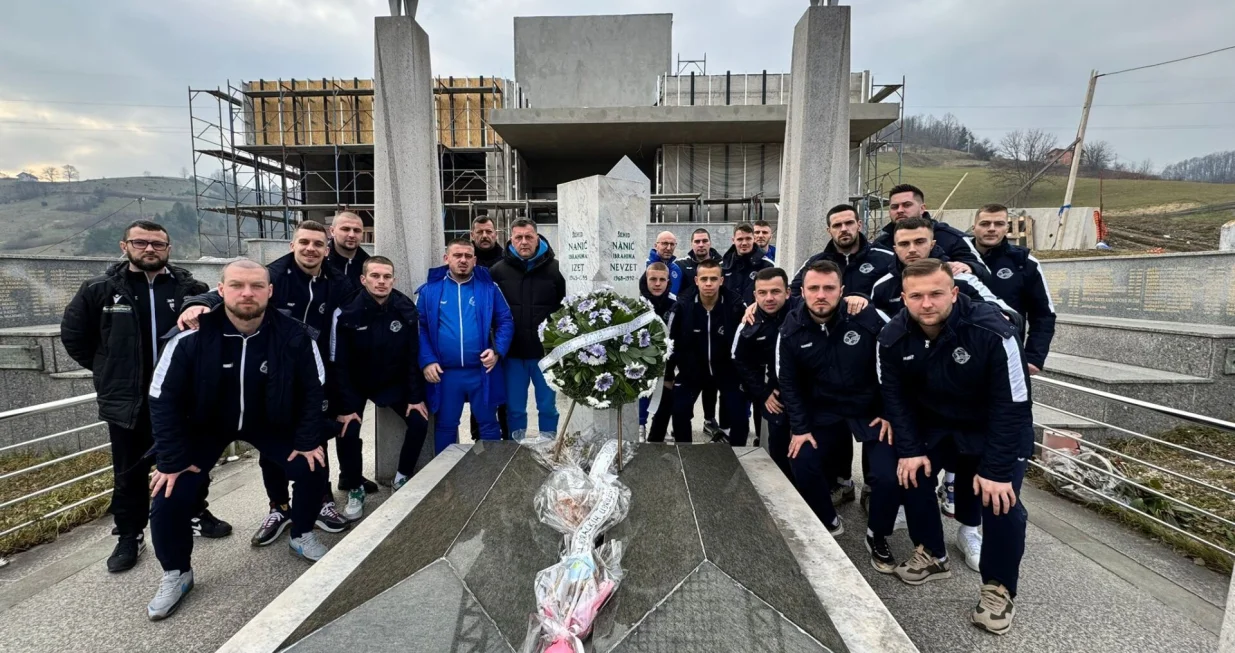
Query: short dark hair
x,y
907,188
925,267
481,219
767,274
744,227
839,208
522,222
701,230
991,208
466,242
312,225
145,225
822,266
912,223
763,223
659,267
708,263
377,260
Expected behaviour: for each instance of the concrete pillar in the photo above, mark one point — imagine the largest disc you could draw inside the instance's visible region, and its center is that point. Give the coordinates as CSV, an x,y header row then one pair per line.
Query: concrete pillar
x,y
1226,239
816,159
1226,643
407,217
601,225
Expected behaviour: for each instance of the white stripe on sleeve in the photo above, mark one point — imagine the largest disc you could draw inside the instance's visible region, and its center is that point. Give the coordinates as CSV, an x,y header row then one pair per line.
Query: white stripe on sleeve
x,y
878,365
317,357
334,332
884,316
778,357
1050,302
984,291
974,250
160,370
733,350
1016,374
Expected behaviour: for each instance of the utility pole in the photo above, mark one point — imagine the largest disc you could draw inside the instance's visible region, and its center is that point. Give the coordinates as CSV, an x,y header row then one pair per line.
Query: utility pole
x,y
140,213
1080,141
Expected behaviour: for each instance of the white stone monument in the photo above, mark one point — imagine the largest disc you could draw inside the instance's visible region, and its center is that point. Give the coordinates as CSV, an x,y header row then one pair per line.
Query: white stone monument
x,y
601,232
407,215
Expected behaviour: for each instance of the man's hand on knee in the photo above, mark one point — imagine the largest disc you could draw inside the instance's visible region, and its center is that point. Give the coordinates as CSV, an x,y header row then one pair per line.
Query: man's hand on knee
x,y
167,482
310,456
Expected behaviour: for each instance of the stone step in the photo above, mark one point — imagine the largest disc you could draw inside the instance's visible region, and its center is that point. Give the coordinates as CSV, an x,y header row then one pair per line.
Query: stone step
x,y
1049,417
1109,372
1183,348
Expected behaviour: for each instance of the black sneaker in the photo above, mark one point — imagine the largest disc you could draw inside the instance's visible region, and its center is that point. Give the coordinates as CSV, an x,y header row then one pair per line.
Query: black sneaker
x,y
330,520
836,528
272,526
711,429
125,555
844,493
207,525
369,486
881,554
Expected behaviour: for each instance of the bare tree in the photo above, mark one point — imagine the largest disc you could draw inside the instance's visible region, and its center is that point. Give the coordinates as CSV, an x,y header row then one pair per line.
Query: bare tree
x,y
1098,156
1145,167
1022,153
1217,168
70,172
50,173
184,172
146,173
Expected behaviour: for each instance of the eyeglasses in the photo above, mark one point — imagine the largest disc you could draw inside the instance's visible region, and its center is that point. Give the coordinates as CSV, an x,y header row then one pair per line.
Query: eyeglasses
x,y
156,245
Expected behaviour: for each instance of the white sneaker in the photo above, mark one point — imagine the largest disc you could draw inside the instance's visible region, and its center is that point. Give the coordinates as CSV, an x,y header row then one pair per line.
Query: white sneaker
x,y
969,541
643,432
307,546
901,524
172,588
355,504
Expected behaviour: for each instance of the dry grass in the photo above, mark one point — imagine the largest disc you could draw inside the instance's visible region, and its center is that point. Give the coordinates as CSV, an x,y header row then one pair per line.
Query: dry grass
x,y
48,530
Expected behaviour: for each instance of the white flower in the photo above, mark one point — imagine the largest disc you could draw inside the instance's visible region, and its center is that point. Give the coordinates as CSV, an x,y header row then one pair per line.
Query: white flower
x,y
624,348
635,370
606,315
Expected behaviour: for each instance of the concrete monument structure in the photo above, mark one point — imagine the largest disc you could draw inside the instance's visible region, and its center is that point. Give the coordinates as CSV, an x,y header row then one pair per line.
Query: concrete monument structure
x,y
816,160
407,190
601,243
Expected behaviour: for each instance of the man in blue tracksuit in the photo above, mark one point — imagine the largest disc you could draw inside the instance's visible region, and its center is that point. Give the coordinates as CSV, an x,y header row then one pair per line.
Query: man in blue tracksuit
x,y
247,373
956,389
465,330
666,244
908,201
861,263
763,239
375,351
827,374
754,356
1016,278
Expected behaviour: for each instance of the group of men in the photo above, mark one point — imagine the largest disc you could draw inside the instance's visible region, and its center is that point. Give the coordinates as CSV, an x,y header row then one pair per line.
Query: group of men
x,y
917,344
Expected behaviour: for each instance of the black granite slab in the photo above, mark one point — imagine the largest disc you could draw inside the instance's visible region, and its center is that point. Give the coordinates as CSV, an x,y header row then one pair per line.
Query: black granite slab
x,y
662,542
711,613
740,537
431,612
422,537
504,545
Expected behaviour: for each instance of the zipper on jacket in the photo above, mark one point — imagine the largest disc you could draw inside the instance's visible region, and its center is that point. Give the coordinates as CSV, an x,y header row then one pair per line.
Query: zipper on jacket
x,y
154,328
459,302
309,304
244,348
713,374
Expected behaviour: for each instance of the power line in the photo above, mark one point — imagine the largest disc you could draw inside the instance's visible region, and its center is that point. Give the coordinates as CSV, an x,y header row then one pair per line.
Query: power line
x,y
88,228
133,130
1163,63
100,104
1063,106
1115,128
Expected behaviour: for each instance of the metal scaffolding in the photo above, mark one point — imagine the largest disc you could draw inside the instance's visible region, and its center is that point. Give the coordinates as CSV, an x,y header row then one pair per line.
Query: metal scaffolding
x,y
882,157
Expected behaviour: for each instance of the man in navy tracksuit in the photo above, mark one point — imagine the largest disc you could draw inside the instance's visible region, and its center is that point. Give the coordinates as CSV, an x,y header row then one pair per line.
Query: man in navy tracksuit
x,y
742,262
1016,278
247,373
666,244
861,264
346,255
907,201
308,289
754,355
956,390
700,250
826,368
702,326
375,351
654,287
465,330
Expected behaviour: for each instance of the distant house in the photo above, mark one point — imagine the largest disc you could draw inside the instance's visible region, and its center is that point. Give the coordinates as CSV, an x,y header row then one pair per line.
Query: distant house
x,y
25,176
1065,156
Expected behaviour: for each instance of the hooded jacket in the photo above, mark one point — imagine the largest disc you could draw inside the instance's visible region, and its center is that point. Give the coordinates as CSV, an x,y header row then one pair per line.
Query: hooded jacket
x,y
104,330
663,304
954,243
740,270
859,270
675,271
970,383
1016,278
350,268
375,351
534,289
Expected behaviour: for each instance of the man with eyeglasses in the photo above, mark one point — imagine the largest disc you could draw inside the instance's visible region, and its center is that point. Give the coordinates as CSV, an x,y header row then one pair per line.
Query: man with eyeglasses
x,y
112,327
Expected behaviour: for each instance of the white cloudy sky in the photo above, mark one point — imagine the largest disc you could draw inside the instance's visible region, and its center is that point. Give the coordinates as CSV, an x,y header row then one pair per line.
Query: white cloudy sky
x,y
102,85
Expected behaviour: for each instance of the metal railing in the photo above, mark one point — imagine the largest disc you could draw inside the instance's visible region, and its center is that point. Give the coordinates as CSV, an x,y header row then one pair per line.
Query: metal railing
x,y
1195,418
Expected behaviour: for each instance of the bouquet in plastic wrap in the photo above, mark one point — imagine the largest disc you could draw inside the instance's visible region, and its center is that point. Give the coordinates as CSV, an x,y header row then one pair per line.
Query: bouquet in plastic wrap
x,y
570,594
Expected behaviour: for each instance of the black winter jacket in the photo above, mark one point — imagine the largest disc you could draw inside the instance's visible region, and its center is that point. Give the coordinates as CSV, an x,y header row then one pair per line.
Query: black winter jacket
x,y
859,271
487,258
689,265
970,383
886,294
954,243
374,351
350,268
663,304
754,353
1016,278
740,270
533,292
703,340
827,372
103,331
186,401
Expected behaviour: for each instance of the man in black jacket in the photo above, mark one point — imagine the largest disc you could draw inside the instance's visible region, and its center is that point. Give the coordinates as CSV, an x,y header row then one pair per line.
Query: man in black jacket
x,y
112,327
754,356
701,250
907,201
742,262
346,256
374,351
1016,278
702,326
484,239
654,287
247,373
956,390
826,368
861,264
534,288
309,290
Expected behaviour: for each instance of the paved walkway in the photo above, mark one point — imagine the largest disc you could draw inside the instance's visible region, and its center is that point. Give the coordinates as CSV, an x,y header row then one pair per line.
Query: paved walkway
x,y
1087,585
